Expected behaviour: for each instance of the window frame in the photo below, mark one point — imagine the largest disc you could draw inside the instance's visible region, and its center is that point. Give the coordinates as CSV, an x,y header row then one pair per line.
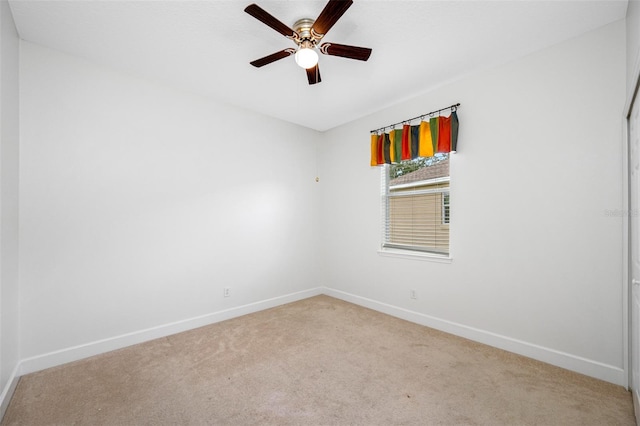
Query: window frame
x,y
405,251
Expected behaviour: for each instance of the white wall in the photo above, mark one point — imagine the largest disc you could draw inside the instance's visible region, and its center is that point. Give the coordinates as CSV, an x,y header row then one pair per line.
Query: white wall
x,y
9,142
537,262
140,203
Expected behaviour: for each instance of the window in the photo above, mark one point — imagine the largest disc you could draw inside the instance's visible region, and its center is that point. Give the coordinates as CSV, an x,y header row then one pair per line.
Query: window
x,y
416,205
445,208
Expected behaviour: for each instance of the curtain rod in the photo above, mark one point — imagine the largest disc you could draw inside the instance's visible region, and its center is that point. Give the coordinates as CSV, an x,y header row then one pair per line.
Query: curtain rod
x,y
419,116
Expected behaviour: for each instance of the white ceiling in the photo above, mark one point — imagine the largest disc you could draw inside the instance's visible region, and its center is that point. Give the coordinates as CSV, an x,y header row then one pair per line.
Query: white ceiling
x,y
206,46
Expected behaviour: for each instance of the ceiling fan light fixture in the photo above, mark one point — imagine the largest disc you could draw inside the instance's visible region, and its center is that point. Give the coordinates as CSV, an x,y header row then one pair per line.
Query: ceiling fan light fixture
x,y
306,57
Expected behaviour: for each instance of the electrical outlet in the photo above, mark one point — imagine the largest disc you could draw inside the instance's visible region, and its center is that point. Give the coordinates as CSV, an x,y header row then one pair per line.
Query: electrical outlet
x,y
227,292
412,294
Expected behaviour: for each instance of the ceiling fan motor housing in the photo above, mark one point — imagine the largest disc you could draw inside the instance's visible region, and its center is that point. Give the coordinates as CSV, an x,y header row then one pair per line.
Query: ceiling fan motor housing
x,y
303,28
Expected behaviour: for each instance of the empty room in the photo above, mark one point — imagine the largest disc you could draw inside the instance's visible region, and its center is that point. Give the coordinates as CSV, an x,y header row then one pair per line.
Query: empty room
x,y
319,212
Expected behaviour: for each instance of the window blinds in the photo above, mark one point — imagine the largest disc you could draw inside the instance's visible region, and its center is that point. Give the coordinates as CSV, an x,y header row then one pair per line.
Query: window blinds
x,y
416,216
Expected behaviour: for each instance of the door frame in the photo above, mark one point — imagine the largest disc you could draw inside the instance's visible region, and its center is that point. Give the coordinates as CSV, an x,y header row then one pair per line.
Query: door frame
x,y
632,97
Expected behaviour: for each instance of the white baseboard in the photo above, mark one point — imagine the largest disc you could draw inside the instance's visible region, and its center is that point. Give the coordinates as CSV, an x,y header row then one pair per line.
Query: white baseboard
x,y
608,373
52,359
7,392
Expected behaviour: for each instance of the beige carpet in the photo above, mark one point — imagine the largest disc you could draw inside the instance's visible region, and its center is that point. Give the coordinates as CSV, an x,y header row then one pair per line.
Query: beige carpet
x,y
319,361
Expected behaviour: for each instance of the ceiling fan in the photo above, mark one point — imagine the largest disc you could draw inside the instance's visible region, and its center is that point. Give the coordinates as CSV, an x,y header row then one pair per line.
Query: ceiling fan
x,y
306,34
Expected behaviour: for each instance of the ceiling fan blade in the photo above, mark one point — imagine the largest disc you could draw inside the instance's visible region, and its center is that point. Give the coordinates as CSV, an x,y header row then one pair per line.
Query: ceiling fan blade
x,y
272,58
262,15
313,75
352,52
329,16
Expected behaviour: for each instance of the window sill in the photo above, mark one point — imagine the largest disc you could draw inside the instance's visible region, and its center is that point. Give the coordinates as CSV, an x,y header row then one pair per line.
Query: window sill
x,y
415,255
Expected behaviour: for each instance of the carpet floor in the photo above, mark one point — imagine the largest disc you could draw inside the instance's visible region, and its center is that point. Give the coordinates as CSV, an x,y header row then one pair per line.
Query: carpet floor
x,y
319,361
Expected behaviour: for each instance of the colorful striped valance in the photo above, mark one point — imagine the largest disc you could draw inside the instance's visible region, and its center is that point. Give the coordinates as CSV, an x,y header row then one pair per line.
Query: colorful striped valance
x,y
434,135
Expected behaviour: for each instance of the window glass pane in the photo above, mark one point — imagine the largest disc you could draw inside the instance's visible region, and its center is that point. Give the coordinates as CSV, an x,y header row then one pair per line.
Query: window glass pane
x,y
416,205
